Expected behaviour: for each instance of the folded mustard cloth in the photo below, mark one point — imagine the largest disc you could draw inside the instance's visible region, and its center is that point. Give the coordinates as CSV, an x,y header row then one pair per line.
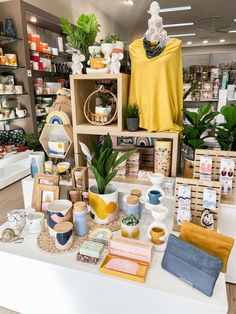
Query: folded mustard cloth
x,y
209,241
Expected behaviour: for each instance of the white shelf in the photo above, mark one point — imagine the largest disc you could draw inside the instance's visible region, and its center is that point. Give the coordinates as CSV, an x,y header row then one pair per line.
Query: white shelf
x,y
14,167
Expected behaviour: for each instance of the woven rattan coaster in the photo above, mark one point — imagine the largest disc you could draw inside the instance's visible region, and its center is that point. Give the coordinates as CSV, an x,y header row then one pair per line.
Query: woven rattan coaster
x,y
46,243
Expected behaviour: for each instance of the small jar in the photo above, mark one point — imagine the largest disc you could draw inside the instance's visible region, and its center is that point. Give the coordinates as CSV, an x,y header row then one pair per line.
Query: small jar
x,y
80,218
133,206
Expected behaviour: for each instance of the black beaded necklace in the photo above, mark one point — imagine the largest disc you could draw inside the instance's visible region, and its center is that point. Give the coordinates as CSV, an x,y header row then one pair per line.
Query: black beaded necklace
x,y
153,49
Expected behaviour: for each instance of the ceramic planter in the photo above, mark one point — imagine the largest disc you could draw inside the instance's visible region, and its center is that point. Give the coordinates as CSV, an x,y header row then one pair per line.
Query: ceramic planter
x,y
103,207
132,124
130,231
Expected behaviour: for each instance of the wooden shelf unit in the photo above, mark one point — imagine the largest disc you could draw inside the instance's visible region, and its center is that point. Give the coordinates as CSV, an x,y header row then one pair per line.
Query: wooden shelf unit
x,y
84,84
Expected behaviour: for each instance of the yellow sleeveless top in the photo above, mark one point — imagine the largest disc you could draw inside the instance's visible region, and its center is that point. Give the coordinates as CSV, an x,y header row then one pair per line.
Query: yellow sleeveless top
x,y
156,85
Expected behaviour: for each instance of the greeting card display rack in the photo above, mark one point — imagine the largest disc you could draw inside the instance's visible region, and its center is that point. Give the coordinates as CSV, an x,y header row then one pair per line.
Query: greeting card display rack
x,y
197,187
216,156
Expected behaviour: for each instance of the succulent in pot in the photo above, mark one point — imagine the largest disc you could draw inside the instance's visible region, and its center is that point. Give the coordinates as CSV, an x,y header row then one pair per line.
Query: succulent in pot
x,y
132,113
104,162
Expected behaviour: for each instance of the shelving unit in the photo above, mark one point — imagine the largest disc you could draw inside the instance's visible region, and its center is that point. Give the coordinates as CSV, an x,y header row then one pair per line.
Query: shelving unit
x,y
81,87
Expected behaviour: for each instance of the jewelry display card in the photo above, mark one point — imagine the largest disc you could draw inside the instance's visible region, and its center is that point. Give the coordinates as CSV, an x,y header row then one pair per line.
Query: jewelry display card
x,y
205,168
209,199
226,175
184,203
207,219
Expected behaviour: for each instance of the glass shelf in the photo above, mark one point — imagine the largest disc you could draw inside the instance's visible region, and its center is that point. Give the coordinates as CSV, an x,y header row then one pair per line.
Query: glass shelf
x,y
13,95
7,39
10,67
13,119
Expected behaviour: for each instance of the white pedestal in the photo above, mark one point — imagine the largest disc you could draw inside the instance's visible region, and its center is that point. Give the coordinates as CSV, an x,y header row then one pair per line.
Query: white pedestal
x,y
13,167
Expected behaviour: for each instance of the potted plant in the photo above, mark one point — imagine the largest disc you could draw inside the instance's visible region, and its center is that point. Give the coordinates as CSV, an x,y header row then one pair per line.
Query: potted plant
x,y
226,131
132,113
83,35
103,197
198,129
103,107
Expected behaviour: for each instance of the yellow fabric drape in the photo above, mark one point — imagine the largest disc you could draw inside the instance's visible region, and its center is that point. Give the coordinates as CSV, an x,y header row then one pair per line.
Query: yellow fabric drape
x,y
157,86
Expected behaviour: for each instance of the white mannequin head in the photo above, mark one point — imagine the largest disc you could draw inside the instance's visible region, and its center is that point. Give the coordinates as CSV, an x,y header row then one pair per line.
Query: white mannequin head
x,y
154,9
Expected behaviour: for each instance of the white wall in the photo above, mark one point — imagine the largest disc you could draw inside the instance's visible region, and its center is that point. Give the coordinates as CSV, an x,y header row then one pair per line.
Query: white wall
x,y
209,55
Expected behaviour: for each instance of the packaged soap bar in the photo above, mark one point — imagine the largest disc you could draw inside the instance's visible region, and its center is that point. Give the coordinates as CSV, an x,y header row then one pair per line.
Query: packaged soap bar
x,y
91,248
130,248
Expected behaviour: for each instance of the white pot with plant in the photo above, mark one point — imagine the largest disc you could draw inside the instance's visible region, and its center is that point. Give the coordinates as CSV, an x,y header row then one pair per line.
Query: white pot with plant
x,y
103,197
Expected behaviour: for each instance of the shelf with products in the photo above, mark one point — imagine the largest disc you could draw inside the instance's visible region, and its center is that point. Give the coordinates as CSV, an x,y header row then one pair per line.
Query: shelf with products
x,y
81,87
8,120
14,95
45,95
8,68
4,39
39,73
64,55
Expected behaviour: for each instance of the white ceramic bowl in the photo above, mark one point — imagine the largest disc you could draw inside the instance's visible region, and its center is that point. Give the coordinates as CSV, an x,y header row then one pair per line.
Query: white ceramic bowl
x,y
157,178
159,212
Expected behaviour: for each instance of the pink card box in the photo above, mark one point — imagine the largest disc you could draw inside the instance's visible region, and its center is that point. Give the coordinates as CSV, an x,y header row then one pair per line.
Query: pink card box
x,y
129,248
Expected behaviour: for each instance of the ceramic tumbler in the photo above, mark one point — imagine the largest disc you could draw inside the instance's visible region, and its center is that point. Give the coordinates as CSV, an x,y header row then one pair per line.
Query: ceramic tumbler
x,y
63,235
35,222
154,197
74,196
80,218
156,234
57,212
36,163
48,167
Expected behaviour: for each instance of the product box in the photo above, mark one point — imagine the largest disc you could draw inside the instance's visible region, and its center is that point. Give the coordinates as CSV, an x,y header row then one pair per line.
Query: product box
x,y
58,148
127,258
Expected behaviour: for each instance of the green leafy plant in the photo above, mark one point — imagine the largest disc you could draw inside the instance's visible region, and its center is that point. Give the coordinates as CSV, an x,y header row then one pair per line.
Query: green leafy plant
x,y
200,127
32,139
83,35
132,111
111,39
226,131
104,161
104,97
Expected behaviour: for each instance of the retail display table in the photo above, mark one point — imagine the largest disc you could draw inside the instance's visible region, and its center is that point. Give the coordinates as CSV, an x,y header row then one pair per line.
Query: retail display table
x,y
34,282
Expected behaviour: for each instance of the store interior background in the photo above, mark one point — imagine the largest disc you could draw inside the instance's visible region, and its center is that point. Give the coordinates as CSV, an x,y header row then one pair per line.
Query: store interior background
x,y
131,22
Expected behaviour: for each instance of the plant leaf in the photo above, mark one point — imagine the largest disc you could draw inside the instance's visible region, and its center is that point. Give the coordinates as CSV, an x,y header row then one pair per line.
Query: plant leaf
x,y
110,176
192,117
124,157
100,180
85,151
110,161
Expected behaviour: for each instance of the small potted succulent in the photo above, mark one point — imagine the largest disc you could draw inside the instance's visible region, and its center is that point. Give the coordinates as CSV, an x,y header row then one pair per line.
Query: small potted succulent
x,y
132,113
103,107
130,227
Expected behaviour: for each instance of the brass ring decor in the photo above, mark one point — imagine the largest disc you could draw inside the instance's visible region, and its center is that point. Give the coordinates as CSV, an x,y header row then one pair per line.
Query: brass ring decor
x,y
100,107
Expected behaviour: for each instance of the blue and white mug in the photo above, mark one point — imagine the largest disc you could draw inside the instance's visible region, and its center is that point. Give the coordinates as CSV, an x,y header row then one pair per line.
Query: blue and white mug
x,y
154,197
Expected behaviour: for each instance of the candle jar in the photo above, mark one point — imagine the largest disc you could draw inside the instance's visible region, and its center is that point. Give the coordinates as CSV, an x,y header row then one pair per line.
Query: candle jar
x,y
80,218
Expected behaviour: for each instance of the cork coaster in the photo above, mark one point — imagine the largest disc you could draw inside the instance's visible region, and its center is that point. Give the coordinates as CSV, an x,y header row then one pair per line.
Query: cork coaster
x,y
113,226
46,243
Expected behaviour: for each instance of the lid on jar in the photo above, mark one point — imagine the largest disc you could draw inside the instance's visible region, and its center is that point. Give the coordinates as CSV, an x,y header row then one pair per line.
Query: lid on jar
x,y
132,199
63,227
136,192
80,206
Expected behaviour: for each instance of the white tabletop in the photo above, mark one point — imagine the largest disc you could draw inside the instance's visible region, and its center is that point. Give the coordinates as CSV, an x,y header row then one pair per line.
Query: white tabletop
x,y
25,264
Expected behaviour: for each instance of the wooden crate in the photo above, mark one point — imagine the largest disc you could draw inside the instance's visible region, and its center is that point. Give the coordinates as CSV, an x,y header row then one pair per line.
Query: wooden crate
x,y
216,158
197,187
